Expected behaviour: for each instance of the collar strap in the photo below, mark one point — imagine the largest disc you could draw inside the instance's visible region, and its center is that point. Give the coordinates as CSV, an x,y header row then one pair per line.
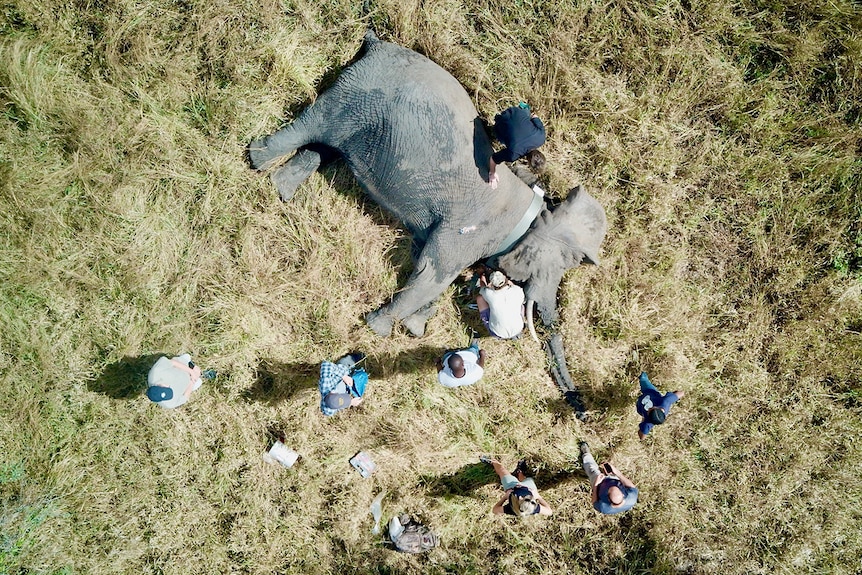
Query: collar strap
x,y
526,221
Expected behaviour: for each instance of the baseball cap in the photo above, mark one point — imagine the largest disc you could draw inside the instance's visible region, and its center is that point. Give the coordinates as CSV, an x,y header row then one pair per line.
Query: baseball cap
x,y
656,416
337,401
497,279
159,393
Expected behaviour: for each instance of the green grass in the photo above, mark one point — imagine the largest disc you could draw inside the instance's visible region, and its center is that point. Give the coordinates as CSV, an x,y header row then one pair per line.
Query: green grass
x,y
723,140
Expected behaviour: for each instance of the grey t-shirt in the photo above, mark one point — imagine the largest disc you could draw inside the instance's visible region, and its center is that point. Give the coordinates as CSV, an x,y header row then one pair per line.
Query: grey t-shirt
x,y
166,374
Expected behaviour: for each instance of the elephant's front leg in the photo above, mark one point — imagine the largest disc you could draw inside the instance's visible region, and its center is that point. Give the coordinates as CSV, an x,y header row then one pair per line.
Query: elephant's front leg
x,y
412,304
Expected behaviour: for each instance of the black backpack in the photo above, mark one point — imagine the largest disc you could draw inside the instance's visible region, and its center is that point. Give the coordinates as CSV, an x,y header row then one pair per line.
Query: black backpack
x,y
416,538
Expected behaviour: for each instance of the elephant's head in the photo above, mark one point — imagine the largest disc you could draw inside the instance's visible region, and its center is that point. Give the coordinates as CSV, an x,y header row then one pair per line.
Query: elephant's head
x,y
559,239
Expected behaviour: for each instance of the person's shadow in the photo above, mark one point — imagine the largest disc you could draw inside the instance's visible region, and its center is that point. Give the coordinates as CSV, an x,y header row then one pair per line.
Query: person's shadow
x,y
277,381
462,482
124,379
475,475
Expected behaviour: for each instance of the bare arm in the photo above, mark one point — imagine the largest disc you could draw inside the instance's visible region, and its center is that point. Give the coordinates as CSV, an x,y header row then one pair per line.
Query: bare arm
x,y
481,361
493,178
194,375
544,508
498,507
623,479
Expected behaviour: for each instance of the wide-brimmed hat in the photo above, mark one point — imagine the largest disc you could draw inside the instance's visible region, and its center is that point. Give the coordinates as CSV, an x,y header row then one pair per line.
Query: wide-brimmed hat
x,y
521,501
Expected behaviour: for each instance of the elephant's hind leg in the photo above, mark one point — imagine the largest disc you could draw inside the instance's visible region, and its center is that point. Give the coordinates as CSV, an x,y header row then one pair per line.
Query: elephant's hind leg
x,y
289,177
264,153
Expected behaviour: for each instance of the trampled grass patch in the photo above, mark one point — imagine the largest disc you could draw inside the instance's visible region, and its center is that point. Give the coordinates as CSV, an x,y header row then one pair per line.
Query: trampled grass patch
x,y
723,141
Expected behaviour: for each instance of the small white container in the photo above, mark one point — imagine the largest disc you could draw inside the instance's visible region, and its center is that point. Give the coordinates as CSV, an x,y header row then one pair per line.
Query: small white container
x,y
280,453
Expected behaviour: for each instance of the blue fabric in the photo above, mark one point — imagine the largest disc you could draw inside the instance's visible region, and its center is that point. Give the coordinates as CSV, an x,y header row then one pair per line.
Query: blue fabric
x,y
651,397
518,132
330,378
603,503
360,380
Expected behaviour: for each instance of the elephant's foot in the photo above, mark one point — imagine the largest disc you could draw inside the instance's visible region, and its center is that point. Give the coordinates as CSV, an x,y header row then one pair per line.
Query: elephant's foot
x,y
415,323
260,156
380,323
287,178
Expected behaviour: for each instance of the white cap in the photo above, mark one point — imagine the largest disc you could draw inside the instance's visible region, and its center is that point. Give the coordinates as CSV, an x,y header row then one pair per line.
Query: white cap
x,y
497,279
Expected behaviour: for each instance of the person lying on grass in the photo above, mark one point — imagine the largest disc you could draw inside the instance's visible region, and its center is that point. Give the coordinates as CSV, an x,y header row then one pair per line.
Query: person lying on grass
x,y
521,498
652,406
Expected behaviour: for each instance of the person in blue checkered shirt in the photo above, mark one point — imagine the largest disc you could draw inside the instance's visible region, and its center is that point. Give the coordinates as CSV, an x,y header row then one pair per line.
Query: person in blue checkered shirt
x,y
341,384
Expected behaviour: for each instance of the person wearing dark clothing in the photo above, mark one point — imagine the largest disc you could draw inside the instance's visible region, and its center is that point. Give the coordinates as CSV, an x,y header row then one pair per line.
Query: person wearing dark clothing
x,y
652,406
521,132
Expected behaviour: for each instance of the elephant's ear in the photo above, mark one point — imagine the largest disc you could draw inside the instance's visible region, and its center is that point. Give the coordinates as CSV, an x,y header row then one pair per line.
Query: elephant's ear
x,y
581,224
558,240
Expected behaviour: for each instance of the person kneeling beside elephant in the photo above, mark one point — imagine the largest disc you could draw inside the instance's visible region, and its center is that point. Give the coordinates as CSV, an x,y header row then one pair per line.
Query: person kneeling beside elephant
x,y
501,306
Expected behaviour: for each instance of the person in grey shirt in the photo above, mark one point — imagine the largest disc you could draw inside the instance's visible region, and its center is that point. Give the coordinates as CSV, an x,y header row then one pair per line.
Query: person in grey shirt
x,y
171,382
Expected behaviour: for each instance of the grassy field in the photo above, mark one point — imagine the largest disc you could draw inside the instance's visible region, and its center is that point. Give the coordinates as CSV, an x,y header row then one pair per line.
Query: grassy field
x,y
724,141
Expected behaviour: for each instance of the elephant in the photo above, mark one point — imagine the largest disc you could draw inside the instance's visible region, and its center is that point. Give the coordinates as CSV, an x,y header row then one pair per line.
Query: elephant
x,y
412,137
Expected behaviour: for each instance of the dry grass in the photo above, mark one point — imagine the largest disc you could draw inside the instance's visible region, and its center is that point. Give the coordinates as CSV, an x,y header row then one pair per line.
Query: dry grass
x,y
723,140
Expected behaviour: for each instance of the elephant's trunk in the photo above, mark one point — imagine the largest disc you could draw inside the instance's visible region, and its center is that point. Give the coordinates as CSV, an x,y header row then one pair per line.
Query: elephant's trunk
x,y
560,373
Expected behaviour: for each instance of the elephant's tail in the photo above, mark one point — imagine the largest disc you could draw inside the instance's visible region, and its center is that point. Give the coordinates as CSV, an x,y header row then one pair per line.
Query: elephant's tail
x,y
370,37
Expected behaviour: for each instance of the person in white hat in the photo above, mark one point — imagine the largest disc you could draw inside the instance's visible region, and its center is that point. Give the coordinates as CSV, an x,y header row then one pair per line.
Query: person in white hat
x,y
501,305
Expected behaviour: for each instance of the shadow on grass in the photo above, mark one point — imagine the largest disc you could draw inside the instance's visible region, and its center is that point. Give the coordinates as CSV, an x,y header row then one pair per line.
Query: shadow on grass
x,y
462,482
640,552
277,381
475,475
125,379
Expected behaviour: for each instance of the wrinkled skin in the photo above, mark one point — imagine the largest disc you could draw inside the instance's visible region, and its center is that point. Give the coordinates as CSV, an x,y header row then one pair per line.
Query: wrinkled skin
x,y
413,139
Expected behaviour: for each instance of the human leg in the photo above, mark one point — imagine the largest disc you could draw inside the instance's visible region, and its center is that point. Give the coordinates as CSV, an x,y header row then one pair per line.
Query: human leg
x,y
529,483
591,468
646,384
485,316
508,480
481,304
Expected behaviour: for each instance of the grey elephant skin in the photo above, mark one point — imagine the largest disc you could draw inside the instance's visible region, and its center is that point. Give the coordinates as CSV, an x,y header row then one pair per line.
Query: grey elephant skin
x,y
412,137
